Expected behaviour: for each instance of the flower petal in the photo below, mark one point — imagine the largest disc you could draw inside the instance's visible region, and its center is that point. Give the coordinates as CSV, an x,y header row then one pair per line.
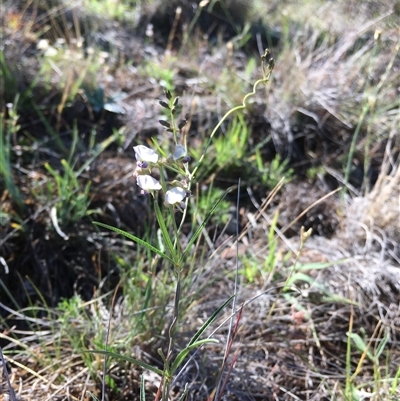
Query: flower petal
x,y
148,183
175,195
145,154
180,152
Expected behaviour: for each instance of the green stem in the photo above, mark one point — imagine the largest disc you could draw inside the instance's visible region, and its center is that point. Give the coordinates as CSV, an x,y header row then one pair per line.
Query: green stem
x,y
263,80
167,366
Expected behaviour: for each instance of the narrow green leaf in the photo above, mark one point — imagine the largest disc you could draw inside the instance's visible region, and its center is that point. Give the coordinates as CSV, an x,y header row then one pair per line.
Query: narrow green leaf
x,y
128,359
92,395
209,321
161,353
164,230
299,277
360,345
135,239
183,354
382,345
394,388
202,225
75,137
158,147
354,394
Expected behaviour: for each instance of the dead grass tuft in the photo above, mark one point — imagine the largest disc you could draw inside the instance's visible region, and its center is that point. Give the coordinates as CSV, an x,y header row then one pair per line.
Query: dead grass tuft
x,y
322,86
373,220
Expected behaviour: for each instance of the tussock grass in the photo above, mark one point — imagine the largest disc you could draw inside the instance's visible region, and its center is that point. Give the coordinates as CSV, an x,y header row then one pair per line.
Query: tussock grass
x,y
327,85
374,219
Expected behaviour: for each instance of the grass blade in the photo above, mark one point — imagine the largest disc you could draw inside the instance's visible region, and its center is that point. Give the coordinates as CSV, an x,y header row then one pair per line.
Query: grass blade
x,y
115,355
209,321
183,354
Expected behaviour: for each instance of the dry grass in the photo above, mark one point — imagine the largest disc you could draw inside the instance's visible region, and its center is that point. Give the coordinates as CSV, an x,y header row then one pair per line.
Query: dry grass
x,y
373,220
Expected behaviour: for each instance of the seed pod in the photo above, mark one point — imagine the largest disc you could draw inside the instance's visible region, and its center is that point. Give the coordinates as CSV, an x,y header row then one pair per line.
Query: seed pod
x,y
168,94
182,123
164,104
164,123
176,100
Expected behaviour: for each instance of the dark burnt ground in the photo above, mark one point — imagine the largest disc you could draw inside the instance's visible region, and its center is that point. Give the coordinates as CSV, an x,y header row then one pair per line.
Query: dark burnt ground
x,y
298,117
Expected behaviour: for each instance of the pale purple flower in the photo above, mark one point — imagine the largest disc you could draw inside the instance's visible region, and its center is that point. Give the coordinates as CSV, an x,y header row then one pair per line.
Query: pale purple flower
x,y
175,195
180,152
145,154
148,183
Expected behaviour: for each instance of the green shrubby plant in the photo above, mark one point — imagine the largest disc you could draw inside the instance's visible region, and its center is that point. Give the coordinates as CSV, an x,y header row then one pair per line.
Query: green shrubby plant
x,y
67,200
271,173
164,74
231,147
73,200
209,195
384,385
121,10
229,150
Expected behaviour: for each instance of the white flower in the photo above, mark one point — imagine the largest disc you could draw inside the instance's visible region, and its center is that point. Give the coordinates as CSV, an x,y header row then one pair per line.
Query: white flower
x,y
145,154
180,152
148,183
50,51
43,44
175,195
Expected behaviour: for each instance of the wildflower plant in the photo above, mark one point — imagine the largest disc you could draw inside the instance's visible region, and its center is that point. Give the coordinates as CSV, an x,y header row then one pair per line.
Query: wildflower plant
x,y
153,169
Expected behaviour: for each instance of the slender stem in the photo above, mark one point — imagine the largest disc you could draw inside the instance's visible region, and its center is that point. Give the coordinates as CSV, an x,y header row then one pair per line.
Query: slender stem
x,y
263,80
171,330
